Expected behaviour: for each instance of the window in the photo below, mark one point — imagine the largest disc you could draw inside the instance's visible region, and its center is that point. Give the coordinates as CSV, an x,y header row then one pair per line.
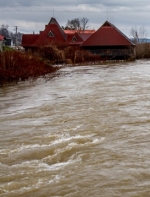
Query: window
x,y
50,34
74,39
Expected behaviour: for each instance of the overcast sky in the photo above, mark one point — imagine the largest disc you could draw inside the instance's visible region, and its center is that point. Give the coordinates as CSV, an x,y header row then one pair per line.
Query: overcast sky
x,y
32,15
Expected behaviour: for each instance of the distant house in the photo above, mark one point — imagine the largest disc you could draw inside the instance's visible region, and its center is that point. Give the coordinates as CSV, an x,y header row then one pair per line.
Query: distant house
x,y
108,41
4,41
8,41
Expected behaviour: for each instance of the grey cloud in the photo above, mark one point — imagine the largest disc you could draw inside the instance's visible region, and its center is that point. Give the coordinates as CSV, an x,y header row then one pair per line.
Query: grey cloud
x,y
36,13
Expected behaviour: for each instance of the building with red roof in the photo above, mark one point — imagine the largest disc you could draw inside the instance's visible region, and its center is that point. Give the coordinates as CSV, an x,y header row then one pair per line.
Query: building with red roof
x,y
108,41
54,34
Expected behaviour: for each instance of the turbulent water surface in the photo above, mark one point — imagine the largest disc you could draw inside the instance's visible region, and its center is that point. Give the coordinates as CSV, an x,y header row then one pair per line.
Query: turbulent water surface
x,y
84,132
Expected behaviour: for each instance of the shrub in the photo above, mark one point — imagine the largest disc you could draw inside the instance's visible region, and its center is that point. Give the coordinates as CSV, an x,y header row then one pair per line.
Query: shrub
x,y
143,50
51,53
15,66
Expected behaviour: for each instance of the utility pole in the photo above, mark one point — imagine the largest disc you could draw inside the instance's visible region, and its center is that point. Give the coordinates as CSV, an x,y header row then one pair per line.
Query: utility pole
x,y
16,28
53,13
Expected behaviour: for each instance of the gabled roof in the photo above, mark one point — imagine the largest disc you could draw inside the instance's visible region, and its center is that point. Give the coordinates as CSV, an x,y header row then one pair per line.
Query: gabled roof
x,y
52,33
108,35
85,36
29,39
45,36
73,31
53,28
74,39
54,21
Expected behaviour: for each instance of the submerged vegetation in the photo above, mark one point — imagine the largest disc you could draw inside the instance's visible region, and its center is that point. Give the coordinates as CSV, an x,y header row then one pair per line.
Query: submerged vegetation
x,y
142,50
18,66
66,55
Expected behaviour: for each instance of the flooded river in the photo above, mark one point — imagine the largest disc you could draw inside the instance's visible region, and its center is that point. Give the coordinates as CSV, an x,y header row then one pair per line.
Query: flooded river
x,y
85,132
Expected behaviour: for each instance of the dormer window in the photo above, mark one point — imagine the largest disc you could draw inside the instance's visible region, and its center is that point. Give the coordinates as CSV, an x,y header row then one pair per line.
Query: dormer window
x,y
74,39
50,34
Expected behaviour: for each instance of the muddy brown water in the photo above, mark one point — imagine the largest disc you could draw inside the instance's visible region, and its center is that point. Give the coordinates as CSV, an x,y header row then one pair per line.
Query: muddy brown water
x,y
85,132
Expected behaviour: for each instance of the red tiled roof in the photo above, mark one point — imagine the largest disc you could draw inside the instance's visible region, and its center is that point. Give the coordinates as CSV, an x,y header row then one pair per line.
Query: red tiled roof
x,y
85,36
29,39
44,37
108,35
80,37
72,31
1,37
71,41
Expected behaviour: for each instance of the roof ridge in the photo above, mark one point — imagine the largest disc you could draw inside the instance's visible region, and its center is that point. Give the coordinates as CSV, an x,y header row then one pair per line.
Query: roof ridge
x,y
54,21
112,25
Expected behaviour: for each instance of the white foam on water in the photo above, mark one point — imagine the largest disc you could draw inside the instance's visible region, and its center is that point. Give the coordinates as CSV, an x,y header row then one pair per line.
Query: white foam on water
x,y
56,166
66,141
28,164
63,139
97,141
22,147
56,178
77,127
21,190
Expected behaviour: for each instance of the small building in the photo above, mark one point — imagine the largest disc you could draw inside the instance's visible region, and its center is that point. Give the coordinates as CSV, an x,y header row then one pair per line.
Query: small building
x,y
28,41
110,43
8,41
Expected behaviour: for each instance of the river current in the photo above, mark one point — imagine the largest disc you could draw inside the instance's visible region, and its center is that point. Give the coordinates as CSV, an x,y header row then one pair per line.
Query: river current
x,y
81,132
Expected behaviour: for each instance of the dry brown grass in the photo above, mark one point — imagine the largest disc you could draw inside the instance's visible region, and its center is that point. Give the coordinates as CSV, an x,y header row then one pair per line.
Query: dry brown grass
x,y
143,51
16,66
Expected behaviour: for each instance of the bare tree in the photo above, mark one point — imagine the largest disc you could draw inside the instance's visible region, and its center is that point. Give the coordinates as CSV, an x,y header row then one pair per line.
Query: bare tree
x,y
83,23
77,24
143,34
139,35
4,30
73,24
